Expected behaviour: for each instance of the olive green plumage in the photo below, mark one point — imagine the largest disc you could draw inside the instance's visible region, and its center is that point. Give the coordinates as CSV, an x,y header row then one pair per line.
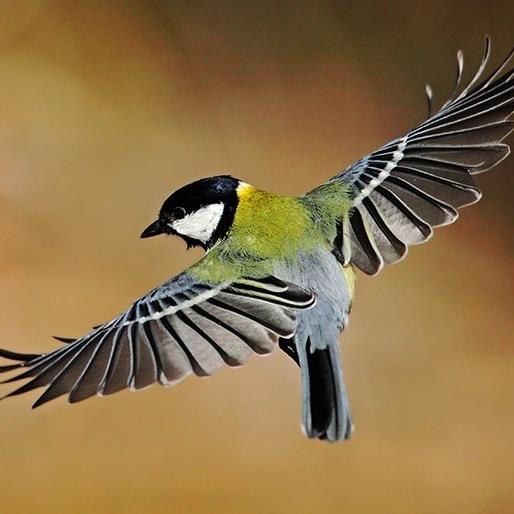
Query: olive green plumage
x,y
269,228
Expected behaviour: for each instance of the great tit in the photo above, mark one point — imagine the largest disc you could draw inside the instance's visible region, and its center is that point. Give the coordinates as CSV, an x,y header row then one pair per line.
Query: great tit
x,y
279,270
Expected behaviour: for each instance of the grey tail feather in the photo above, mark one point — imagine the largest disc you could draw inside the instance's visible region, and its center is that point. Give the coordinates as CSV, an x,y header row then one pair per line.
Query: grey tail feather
x,y
326,409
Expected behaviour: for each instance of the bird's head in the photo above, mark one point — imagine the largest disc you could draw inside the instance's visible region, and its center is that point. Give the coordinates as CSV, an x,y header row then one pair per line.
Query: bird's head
x,y
201,213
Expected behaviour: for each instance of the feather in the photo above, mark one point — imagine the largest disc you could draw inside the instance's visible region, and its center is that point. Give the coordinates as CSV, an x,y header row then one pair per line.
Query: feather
x,y
180,327
415,183
460,68
16,356
430,98
66,340
68,375
89,382
120,363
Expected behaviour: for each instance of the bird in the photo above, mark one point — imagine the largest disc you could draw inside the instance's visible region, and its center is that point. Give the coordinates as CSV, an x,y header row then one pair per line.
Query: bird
x,y
280,270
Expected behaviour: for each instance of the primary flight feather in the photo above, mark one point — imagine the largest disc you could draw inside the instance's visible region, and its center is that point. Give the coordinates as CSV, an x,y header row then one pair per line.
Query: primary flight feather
x,y
279,270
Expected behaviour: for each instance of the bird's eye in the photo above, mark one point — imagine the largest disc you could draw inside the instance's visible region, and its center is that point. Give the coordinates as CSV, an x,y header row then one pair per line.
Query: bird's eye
x,y
178,213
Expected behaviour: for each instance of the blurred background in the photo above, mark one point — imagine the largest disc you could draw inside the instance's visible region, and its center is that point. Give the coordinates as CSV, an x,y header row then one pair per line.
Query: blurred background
x,y
106,107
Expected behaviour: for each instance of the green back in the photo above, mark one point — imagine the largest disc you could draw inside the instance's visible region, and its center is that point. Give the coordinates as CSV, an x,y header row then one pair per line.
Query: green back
x,y
268,228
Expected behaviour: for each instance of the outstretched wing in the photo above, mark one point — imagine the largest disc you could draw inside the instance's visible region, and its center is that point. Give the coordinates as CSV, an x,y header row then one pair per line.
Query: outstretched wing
x,y
404,189
179,328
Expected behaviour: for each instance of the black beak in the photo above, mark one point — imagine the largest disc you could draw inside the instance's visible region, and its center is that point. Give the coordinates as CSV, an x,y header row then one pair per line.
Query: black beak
x,y
154,229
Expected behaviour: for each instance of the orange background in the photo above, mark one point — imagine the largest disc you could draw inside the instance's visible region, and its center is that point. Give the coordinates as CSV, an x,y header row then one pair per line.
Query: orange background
x,y
106,107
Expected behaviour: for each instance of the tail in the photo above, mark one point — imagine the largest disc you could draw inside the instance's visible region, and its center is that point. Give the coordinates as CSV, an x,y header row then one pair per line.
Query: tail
x,y
325,407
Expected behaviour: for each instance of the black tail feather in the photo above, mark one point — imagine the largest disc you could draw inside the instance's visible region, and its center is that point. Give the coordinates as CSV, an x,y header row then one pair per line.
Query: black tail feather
x,y
322,392
326,411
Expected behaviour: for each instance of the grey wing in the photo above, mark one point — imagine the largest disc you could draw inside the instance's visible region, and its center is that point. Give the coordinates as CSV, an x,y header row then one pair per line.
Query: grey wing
x,y
404,189
179,328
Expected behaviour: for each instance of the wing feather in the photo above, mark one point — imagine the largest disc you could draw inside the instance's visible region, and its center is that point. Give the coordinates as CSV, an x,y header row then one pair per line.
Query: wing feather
x,y
179,328
121,363
415,183
91,378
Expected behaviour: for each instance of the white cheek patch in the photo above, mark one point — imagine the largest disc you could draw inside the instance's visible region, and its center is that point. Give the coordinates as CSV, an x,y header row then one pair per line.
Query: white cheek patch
x,y
200,224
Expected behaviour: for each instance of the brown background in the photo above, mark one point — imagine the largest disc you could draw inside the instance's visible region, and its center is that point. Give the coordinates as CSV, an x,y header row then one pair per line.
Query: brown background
x,y
107,106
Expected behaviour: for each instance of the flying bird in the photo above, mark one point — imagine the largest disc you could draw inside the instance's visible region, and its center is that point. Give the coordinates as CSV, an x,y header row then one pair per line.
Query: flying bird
x,y
279,270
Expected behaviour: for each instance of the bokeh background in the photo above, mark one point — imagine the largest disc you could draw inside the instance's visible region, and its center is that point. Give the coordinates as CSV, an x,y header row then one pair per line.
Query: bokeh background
x,y
105,108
